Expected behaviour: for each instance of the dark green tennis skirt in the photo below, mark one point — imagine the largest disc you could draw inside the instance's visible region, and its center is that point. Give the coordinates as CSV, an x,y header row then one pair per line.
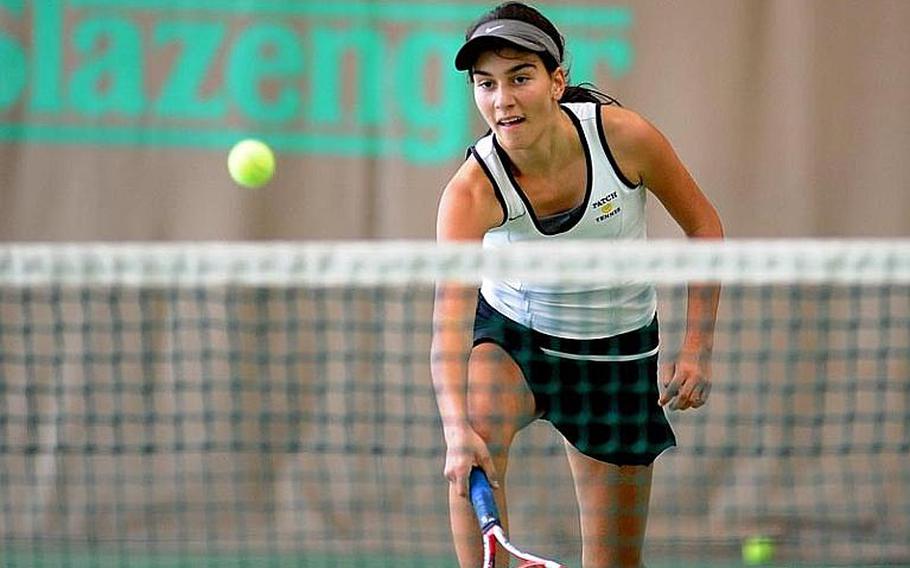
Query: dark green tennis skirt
x,y
607,409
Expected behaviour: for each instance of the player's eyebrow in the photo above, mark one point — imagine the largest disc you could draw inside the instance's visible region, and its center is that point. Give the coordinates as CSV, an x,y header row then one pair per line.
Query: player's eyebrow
x,y
509,71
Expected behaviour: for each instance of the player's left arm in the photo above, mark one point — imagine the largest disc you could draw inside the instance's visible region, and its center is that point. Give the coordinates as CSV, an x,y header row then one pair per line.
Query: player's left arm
x,y
645,155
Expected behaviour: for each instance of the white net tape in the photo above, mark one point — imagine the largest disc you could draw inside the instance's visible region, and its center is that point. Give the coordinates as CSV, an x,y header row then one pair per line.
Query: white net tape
x,y
371,263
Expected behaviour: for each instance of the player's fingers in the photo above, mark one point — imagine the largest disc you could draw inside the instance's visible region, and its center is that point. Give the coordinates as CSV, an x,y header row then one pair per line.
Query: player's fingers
x,y
688,391
671,389
457,475
666,374
486,463
683,401
700,396
460,483
679,403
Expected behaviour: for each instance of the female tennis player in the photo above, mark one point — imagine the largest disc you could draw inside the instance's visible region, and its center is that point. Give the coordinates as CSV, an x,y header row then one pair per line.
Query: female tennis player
x,y
561,162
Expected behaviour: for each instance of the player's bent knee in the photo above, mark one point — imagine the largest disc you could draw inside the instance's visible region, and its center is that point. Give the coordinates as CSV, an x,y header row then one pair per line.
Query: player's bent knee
x,y
495,430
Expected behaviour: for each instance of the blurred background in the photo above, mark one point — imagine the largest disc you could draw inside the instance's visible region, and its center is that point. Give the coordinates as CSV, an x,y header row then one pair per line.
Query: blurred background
x,y
303,420
116,117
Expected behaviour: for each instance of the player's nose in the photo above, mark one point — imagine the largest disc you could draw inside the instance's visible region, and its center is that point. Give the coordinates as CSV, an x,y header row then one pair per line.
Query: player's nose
x,y
504,99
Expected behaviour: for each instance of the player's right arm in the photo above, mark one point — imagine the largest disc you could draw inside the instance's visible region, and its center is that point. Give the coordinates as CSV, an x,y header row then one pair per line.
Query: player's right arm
x,y
467,209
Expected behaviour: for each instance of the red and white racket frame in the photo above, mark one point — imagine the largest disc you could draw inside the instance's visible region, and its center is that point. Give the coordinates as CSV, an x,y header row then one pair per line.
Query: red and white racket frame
x,y
491,527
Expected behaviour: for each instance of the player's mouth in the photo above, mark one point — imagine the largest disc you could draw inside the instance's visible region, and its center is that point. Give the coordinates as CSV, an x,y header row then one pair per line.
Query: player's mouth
x,y
510,121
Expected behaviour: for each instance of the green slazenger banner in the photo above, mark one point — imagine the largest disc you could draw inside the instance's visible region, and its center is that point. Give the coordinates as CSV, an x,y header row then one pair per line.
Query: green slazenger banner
x,y
337,79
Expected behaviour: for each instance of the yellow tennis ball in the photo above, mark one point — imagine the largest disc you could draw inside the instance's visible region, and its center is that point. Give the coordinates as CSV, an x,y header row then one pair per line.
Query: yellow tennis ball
x,y
251,163
758,550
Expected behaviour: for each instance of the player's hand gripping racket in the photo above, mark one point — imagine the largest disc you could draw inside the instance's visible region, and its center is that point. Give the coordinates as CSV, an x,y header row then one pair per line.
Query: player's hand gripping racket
x,y
491,527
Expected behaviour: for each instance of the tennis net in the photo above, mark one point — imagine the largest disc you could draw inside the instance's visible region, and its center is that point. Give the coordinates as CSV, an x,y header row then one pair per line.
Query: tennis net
x,y
271,404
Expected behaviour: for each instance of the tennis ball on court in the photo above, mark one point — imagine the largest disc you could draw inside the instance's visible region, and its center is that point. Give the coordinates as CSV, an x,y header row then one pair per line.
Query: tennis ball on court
x,y
251,163
758,550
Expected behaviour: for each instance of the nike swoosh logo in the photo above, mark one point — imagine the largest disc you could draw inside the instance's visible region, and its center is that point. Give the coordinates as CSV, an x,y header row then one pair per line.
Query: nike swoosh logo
x,y
493,28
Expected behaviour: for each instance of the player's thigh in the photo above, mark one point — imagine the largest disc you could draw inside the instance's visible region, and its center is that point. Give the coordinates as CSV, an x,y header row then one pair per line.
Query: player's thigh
x,y
500,403
612,499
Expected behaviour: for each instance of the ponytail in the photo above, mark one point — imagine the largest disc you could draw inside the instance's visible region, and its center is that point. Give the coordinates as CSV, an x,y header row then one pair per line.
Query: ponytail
x,y
586,93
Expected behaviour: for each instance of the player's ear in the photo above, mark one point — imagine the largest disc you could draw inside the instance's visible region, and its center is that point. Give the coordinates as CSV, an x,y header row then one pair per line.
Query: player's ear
x,y
558,80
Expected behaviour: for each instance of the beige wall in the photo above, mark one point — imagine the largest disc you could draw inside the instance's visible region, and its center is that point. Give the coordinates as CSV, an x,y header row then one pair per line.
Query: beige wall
x,y
791,114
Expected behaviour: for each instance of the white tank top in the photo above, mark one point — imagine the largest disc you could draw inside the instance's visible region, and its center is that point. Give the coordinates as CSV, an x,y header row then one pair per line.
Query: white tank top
x,y
614,208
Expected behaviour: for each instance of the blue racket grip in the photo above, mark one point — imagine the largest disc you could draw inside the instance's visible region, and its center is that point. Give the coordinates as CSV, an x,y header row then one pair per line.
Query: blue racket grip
x,y
482,499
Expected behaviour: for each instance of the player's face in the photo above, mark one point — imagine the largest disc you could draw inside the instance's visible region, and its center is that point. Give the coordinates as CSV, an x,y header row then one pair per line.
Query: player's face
x,y
516,95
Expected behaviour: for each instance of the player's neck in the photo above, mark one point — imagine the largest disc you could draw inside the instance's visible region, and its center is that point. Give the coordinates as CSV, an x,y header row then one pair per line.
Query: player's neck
x,y
557,146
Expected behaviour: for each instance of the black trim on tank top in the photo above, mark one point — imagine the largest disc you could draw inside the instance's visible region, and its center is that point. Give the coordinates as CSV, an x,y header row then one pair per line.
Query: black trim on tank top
x,y
559,222
606,147
578,210
499,196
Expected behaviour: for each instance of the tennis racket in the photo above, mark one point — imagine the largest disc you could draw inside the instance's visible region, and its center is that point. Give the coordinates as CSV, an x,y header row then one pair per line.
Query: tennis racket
x,y
491,526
